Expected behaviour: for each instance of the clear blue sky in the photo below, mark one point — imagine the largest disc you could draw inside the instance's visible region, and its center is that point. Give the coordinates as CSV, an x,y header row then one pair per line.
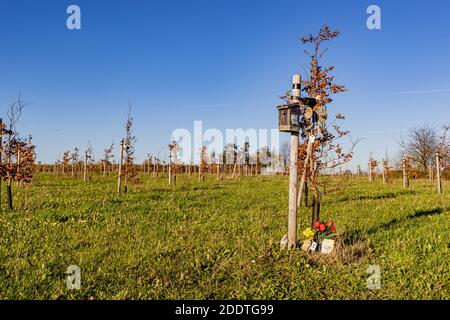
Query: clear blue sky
x,y
220,61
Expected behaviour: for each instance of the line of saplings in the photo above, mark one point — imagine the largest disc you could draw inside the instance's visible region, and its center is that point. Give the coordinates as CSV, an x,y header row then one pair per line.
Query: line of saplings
x,y
146,167
398,174
417,174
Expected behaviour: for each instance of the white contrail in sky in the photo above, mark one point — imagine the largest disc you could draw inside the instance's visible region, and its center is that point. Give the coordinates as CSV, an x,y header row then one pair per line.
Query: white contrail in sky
x,y
422,91
212,106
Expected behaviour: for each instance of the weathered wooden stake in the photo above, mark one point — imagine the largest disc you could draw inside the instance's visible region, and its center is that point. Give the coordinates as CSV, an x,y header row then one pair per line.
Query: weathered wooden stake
x,y
170,174
218,170
18,165
85,165
293,192
127,167
1,159
405,172
438,173
170,167
119,178
316,196
311,140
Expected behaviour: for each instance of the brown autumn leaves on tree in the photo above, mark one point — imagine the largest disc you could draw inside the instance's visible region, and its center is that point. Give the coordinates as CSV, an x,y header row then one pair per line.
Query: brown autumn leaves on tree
x,y
17,155
326,152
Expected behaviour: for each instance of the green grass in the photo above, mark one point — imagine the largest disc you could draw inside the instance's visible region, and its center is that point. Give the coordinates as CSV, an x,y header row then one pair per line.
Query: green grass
x,y
220,240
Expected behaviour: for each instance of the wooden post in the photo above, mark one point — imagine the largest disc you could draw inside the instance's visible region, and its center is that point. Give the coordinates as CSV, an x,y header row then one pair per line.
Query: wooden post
x,y
311,140
384,171
127,166
170,167
120,167
218,170
316,196
234,171
18,165
1,159
293,192
370,171
85,165
405,172
438,173
8,185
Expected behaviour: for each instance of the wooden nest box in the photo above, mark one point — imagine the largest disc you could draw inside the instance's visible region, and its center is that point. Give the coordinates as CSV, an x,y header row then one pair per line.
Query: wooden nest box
x,y
289,117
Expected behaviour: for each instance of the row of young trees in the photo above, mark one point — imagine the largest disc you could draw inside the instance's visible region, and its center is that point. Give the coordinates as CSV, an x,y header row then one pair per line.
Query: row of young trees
x,y
233,161
420,151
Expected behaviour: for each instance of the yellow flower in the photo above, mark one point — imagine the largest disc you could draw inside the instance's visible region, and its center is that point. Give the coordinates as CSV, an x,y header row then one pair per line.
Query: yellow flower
x,y
309,234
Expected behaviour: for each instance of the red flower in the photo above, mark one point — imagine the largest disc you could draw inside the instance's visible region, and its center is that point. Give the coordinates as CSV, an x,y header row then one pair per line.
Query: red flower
x,y
322,227
317,224
329,222
333,228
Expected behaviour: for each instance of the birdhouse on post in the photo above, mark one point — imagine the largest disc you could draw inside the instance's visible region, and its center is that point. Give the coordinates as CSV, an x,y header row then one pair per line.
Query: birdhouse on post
x,y
290,120
289,117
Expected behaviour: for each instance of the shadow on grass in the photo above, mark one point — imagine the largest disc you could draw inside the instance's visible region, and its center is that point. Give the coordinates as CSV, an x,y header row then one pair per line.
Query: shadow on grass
x,y
353,236
415,215
184,188
380,196
357,239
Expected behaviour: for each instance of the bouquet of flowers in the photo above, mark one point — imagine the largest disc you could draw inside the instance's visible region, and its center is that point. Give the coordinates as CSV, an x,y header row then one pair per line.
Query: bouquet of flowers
x,y
320,237
325,230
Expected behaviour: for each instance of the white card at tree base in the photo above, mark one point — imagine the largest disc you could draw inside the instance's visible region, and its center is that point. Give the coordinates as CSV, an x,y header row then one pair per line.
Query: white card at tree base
x,y
313,246
327,246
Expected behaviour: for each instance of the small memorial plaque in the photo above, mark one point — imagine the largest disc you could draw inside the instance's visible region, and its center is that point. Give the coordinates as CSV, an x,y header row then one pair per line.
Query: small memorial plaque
x,y
327,246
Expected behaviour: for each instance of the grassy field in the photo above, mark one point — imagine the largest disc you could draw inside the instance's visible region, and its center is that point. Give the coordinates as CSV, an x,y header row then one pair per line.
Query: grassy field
x,y
220,240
